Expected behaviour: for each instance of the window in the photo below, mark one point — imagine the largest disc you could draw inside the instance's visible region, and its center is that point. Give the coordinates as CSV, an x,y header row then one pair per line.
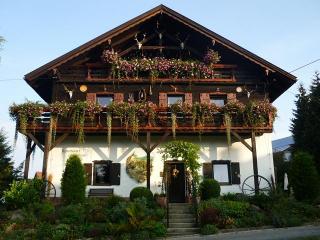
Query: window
x,y
176,98
104,100
101,173
221,171
217,100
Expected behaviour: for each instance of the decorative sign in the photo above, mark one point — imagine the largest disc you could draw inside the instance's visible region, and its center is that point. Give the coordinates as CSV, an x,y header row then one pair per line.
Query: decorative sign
x,y
137,167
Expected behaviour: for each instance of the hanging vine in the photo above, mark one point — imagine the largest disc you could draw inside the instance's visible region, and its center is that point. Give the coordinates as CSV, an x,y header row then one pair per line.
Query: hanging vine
x,y
57,109
230,110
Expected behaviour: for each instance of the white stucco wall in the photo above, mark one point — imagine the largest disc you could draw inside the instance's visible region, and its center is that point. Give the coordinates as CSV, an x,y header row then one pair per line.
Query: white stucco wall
x,y
212,148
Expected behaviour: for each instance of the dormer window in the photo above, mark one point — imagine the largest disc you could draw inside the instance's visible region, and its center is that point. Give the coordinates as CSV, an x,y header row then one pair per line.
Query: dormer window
x,y
218,100
175,98
104,100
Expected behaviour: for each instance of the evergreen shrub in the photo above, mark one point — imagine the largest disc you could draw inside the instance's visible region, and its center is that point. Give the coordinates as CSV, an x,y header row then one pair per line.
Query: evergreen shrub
x,y
209,188
73,182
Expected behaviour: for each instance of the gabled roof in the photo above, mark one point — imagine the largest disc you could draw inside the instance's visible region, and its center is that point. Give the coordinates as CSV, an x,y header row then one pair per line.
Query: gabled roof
x,y
143,17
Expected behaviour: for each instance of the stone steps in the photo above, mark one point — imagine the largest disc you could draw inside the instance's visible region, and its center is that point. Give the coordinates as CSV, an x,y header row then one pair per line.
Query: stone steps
x,y
182,220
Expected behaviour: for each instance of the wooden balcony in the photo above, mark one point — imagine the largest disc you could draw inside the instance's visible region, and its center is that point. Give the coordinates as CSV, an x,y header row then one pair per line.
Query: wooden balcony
x,y
162,123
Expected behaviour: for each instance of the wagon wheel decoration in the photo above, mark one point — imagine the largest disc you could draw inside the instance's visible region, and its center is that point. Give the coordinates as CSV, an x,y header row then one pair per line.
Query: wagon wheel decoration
x,y
49,189
264,185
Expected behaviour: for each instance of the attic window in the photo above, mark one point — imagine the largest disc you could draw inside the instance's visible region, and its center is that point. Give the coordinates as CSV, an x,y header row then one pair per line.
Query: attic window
x,y
218,100
104,100
175,98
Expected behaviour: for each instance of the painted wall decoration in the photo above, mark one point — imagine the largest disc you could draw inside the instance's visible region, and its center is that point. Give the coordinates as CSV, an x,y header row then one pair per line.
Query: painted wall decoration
x,y
136,167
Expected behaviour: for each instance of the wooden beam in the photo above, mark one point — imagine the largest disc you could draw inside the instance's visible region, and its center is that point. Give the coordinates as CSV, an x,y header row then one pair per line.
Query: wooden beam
x,y
137,141
46,154
30,149
255,162
59,140
161,140
148,159
36,141
237,136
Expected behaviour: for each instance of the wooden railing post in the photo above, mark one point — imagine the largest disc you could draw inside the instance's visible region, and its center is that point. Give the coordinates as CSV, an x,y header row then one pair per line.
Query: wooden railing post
x,y
255,162
47,146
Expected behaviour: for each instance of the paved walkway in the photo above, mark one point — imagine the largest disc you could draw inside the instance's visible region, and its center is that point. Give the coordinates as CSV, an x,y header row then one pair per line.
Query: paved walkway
x,y
261,234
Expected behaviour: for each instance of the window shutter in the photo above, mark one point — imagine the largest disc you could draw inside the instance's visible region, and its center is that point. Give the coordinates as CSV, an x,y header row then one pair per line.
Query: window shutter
x,y
118,97
163,100
235,173
91,97
205,98
188,98
115,174
88,171
207,170
231,97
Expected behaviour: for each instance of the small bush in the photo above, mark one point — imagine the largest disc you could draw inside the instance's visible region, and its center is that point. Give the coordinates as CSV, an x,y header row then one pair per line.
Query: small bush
x,y
95,210
253,218
73,182
209,229
72,214
44,211
114,200
209,216
139,192
239,197
303,177
231,209
261,200
209,188
158,230
23,193
44,231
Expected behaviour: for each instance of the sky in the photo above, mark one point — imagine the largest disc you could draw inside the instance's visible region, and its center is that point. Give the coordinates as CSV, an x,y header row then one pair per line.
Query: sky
x,y
286,33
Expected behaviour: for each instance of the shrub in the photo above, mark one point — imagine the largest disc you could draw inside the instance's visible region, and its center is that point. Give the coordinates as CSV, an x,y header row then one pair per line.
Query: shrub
x,y
239,197
22,193
44,211
208,229
209,216
44,231
303,177
158,230
261,200
61,232
73,182
139,192
253,218
209,188
72,214
231,209
113,201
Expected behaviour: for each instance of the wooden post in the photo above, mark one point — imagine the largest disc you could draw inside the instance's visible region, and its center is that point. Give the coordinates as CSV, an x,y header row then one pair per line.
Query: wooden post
x,y
47,145
255,162
27,161
148,158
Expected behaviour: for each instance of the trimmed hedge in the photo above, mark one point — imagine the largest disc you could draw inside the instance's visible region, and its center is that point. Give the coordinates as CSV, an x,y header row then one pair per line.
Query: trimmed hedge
x,y
139,192
209,188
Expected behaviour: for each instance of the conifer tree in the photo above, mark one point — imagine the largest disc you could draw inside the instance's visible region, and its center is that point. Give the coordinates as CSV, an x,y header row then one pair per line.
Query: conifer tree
x,y
299,120
6,164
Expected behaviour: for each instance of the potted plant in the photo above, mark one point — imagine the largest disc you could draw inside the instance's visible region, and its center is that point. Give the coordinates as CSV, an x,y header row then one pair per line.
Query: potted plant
x,y
161,199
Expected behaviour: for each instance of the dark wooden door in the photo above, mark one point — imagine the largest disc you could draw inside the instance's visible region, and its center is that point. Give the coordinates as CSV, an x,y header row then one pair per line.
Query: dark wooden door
x,y
177,183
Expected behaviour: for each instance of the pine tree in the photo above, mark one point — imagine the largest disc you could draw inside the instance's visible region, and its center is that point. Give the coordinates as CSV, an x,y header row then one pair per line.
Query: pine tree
x,y
299,121
6,164
312,126
305,125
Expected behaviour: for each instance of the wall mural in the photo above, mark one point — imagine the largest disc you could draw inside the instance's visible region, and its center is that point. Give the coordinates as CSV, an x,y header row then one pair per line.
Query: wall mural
x,y
136,167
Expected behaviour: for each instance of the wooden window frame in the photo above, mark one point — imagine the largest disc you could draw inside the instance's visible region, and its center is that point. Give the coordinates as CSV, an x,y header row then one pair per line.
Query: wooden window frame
x,y
223,162
177,94
94,172
223,96
101,94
